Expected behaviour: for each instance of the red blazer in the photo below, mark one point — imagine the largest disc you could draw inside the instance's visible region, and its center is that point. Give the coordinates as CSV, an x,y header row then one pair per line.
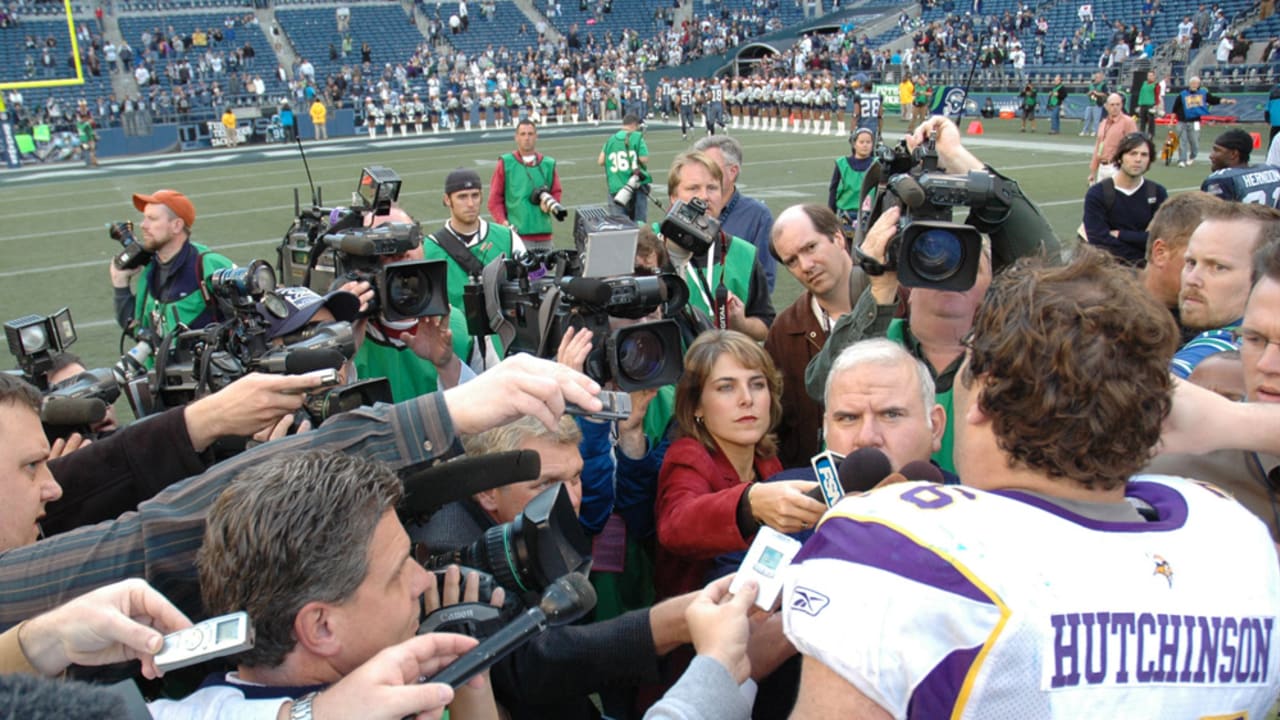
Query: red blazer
x,y
697,508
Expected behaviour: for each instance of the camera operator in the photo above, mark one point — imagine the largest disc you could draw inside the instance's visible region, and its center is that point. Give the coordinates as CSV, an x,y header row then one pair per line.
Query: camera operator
x,y
168,288
159,541
68,366
416,356
553,675
520,187
625,156
693,176
937,320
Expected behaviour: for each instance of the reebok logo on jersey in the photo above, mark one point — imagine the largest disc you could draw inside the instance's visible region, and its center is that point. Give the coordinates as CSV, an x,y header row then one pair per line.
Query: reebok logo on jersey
x,y
809,602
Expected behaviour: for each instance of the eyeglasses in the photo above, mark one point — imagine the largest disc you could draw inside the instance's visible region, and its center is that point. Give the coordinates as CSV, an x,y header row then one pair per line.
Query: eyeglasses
x,y
1252,340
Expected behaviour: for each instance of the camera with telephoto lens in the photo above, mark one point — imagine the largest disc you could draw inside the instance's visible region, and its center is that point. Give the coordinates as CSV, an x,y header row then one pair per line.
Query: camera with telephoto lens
x,y
930,250
531,300
324,404
688,225
545,201
525,555
325,246
134,255
628,191
238,289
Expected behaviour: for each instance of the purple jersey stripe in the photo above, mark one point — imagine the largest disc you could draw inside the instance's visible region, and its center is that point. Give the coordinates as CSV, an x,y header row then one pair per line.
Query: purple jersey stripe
x,y
871,543
1170,507
944,687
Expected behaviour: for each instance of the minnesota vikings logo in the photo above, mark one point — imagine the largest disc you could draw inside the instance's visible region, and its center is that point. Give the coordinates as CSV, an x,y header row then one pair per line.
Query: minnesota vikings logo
x,y
1163,568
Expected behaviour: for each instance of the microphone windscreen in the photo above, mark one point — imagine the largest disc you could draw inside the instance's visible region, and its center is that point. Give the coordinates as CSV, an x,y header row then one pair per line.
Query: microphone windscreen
x,y
590,290
567,598
307,360
863,469
72,411
922,470
907,188
429,489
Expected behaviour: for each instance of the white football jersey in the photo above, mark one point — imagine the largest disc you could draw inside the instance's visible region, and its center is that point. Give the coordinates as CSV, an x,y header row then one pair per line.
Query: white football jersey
x,y
948,602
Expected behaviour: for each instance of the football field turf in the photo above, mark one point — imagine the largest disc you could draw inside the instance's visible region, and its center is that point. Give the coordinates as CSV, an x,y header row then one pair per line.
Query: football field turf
x,y
55,247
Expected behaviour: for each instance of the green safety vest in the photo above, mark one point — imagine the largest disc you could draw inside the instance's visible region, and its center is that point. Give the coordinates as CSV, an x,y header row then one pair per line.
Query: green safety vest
x,y
850,189
897,333
185,309
736,268
620,160
520,181
495,244
409,375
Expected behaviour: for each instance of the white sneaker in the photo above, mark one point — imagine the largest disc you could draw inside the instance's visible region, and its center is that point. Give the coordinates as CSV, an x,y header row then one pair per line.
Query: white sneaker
x,y
1182,164
1190,162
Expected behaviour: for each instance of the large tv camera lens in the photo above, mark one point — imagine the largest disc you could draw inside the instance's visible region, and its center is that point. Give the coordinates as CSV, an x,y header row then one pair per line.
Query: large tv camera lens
x,y
645,355
243,286
413,289
525,555
936,254
939,255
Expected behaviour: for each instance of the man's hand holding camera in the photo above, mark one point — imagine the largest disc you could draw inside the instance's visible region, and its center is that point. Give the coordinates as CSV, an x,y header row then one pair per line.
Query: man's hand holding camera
x,y
122,279
254,402
875,245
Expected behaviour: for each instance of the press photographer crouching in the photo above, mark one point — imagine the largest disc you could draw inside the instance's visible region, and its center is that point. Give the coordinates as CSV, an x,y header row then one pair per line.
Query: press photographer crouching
x,y
553,675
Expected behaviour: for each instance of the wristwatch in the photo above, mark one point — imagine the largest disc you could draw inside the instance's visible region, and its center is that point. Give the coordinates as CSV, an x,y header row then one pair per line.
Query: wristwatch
x,y
301,709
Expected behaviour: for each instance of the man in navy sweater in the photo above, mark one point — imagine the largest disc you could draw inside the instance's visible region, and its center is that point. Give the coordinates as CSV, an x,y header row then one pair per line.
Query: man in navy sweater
x,y
1117,210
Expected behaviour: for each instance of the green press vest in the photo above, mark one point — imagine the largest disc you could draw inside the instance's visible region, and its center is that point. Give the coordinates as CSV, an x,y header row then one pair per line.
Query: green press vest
x,y
520,181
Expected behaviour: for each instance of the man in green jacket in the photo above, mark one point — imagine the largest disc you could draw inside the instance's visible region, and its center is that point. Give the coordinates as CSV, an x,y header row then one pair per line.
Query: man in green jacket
x,y
168,288
624,155
511,190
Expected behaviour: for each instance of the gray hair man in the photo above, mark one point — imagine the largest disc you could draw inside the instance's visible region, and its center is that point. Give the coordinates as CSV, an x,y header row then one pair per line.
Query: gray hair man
x,y
740,215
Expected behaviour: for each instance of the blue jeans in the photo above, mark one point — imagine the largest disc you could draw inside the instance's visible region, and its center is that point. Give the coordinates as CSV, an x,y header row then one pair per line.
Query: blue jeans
x,y
1092,117
1055,118
1188,141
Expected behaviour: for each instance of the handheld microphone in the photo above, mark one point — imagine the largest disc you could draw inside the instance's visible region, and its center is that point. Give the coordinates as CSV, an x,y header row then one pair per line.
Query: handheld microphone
x,y
922,470
64,412
862,470
909,189
301,361
566,599
427,489
590,290
826,467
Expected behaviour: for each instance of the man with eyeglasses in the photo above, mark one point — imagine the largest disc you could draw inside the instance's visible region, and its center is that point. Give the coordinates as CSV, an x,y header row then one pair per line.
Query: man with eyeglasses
x,y
1252,477
1113,128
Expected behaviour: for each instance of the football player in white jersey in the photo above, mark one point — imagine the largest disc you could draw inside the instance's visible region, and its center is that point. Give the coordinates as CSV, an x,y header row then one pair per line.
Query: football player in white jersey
x,y
1052,583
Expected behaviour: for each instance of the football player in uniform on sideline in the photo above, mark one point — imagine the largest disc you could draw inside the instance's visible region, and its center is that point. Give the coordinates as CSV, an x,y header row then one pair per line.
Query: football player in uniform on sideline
x,y
1052,582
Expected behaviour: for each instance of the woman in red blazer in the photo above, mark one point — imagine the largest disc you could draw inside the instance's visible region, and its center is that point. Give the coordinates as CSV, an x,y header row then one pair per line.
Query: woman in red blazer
x,y
709,499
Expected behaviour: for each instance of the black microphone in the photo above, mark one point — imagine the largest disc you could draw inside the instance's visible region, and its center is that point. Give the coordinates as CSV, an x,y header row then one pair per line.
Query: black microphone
x,y
427,489
860,471
350,244
589,290
566,599
64,412
907,188
921,470
296,362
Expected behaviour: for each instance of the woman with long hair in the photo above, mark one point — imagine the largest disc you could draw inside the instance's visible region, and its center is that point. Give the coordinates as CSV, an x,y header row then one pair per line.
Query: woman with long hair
x,y
710,496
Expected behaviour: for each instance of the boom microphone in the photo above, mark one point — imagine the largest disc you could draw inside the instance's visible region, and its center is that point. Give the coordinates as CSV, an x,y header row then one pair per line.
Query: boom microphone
x,y
566,599
862,470
70,412
303,360
589,290
427,489
908,189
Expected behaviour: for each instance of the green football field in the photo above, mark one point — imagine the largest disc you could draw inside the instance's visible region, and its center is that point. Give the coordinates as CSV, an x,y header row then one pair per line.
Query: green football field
x,y
55,248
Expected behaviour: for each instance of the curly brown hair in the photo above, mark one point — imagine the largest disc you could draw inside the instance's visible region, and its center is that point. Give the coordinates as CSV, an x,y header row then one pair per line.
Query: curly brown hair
x,y
1074,368
698,362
